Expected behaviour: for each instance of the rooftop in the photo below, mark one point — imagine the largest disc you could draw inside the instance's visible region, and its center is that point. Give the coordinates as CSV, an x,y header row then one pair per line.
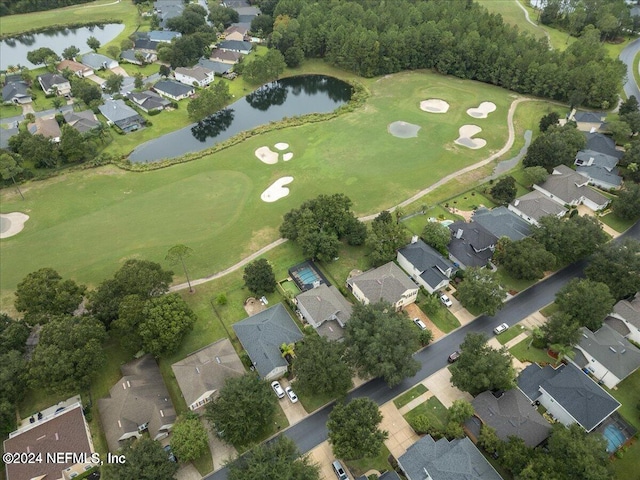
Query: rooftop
x,y
570,186
537,205
502,222
325,302
629,310
428,261
471,243
611,349
387,282
173,88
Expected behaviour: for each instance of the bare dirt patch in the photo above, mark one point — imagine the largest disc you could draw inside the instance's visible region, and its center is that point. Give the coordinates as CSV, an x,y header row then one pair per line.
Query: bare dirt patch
x,y
253,305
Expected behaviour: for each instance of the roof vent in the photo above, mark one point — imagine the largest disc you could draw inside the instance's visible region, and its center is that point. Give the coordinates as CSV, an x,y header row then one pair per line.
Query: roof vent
x,y
623,350
613,349
459,233
414,239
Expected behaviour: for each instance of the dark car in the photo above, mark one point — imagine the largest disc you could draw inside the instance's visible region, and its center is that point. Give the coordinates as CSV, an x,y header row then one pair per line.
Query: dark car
x,y
170,455
454,356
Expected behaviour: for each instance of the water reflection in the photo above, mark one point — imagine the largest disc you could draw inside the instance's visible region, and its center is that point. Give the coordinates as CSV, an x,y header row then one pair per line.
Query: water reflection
x,y
268,95
213,125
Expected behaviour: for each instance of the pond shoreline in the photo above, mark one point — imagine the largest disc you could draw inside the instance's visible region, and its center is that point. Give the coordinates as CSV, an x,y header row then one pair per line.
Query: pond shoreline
x,y
57,28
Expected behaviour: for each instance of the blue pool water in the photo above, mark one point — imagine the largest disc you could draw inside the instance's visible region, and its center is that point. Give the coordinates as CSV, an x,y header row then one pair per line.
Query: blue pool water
x,y
614,437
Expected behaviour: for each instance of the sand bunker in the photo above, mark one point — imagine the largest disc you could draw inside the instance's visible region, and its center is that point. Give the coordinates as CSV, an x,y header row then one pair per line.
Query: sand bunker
x,y
266,155
282,146
287,156
434,105
483,110
277,190
403,129
468,131
12,223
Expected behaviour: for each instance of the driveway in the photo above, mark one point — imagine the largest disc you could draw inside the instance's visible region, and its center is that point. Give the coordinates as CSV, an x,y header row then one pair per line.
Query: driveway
x,y
401,435
462,314
220,451
586,211
119,71
293,411
440,384
322,455
414,311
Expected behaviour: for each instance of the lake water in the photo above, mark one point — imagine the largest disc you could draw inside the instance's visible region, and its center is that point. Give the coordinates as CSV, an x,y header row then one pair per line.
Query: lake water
x,y
13,51
272,102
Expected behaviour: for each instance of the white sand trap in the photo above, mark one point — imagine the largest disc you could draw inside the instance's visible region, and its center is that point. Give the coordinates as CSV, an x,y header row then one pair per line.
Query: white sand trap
x,y
287,156
281,146
403,129
12,223
277,190
483,110
468,131
266,155
434,105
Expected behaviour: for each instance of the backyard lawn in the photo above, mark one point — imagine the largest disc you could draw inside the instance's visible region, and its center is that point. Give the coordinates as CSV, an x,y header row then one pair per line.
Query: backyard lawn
x,y
628,394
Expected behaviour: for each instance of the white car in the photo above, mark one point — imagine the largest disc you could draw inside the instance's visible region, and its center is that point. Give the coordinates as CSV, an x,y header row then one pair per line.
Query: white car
x,y
500,328
420,324
446,301
278,389
291,394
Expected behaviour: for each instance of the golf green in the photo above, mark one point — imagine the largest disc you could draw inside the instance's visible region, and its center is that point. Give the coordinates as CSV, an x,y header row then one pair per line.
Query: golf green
x,y
86,223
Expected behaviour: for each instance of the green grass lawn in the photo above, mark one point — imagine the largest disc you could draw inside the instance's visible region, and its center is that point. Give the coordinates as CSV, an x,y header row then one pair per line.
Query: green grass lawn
x,y
85,224
432,408
379,462
7,111
145,70
312,402
526,353
410,395
510,334
511,283
628,394
444,319
513,15
471,200
615,222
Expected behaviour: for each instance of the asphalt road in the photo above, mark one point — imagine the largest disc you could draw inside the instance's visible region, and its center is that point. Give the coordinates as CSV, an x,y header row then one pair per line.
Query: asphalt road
x,y
627,55
312,431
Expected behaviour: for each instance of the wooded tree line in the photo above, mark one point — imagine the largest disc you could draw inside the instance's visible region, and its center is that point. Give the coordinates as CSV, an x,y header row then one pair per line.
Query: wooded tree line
x,y
11,7
454,37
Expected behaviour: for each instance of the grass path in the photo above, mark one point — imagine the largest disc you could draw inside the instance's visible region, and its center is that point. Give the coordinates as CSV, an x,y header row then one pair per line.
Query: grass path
x,y
526,16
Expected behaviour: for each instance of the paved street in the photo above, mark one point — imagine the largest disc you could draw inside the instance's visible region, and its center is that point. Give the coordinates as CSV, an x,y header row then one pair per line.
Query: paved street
x,y
627,55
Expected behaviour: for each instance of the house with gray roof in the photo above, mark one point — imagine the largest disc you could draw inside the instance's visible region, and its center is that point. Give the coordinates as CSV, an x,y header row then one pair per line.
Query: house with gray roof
x,y
148,100
567,187
238,46
502,222
203,373
535,205
196,75
224,56
325,305
137,403
458,459
601,143
218,68
138,57
83,122
162,36
625,318
143,44
607,355
5,135
425,265
96,61
54,84
167,9
511,413
262,334
568,394
588,121
16,92
600,168
174,90
120,114
471,244
386,283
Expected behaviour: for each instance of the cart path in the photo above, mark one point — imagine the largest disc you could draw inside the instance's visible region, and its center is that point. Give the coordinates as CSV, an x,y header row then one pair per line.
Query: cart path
x,y
526,16
507,146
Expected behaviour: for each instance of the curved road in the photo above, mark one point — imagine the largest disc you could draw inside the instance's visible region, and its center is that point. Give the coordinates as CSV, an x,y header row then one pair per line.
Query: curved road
x,y
627,55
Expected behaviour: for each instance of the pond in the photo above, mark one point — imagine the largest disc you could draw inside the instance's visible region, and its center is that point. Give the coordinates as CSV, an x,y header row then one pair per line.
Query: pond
x,y
272,102
13,51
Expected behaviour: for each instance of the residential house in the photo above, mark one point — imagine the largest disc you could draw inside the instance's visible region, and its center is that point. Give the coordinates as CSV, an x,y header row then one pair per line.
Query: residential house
x,y
223,56
567,187
76,68
167,9
445,460
625,318
236,32
16,92
509,413
148,101
48,128
600,168
202,374
607,355
163,36
602,144
139,402
502,222
143,44
588,121
217,68
120,114
54,84
535,205
238,46
174,90
325,309
386,283
471,244
83,122
197,75
59,429
138,57
425,265
5,135
568,394
262,334
97,61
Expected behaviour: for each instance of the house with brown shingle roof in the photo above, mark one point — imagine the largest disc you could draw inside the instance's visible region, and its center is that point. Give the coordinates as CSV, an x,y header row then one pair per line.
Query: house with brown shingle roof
x,y
76,67
325,305
625,318
48,128
386,283
224,56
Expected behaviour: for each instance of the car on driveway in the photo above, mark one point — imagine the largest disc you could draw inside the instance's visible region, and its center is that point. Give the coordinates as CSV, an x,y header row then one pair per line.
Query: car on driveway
x,y
278,389
339,470
420,324
446,301
500,328
170,455
454,356
291,394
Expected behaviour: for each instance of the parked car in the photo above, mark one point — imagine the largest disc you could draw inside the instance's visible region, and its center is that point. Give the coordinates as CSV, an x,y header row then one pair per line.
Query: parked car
x,y
454,356
291,394
339,470
500,328
277,388
420,324
170,455
446,301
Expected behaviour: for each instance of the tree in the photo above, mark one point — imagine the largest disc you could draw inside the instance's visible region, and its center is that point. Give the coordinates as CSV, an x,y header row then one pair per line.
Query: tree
x,y
126,44
93,43
380,343
193,19
481,291
535,175
43,294
262,25
437,235
524,259
127,324
385,237
618,266
481,367
70,52
189,439
69,354
245,407
146,460
488,439
209,101
627,204
113,51
113,83
225,16
42,55
548,120
561,329
178,253
353,429
165,71
57,102
274,460
505,190
320,367
266,68
558,145
139,81
460,411
585,301
12,375
620,130
13,334
629,105
167,319
73,147
86,91
259,278
9,169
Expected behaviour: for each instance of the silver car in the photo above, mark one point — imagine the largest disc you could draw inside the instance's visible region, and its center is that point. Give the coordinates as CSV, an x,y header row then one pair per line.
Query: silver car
x,y
278,389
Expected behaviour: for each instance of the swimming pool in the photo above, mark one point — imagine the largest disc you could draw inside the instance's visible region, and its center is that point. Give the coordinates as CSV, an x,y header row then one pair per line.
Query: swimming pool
x,y
307,276
614,437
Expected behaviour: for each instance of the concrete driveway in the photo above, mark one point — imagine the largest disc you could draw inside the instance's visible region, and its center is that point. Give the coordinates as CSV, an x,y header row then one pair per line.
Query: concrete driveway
x,y
220,451
462,314
401,435
293,411
414,311
440,384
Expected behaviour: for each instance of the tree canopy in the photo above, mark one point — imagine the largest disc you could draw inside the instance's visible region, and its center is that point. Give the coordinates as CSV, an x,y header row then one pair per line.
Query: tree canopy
x,y
259,277
585,301
481,291
93,43
618,266
385,237
320,367
437,235
556,146
70,52
189,439
265,68
221,15
42,55
561,329
146,460
505,190
209,101
627,203
166,320
523,259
